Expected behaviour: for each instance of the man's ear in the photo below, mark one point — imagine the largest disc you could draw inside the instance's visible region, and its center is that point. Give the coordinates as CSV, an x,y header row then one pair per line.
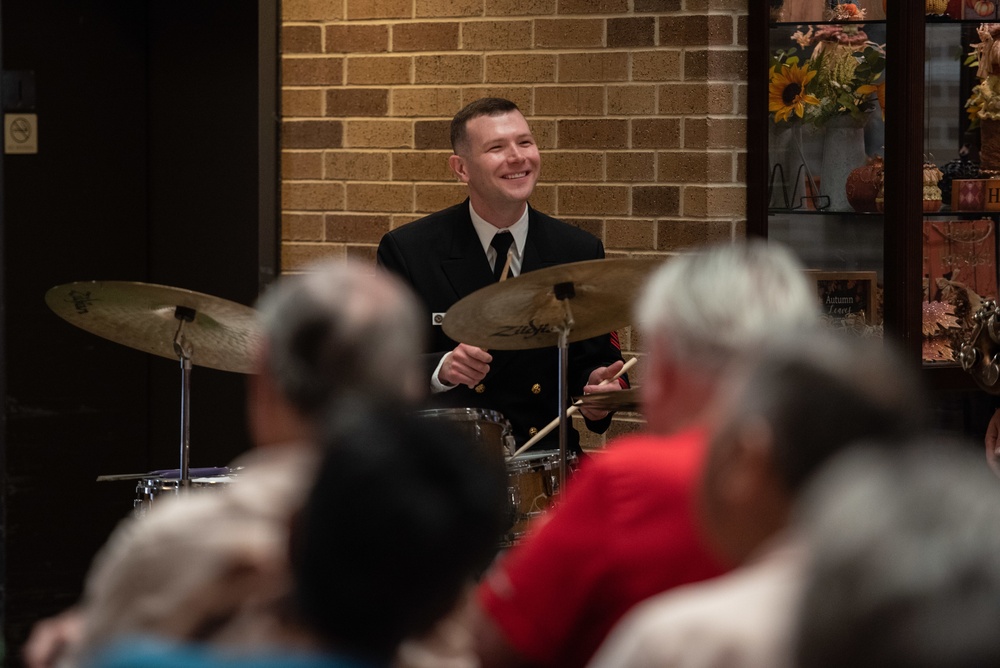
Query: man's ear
x,y
749,461
457,164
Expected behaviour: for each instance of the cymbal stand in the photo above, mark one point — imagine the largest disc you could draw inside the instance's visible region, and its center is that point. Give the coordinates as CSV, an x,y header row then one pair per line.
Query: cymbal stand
x,y
564,292
183,350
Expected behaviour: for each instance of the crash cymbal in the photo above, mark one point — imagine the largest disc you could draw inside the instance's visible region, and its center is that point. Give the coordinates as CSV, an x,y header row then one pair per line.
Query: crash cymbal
x,y
524,312
620,400
222,334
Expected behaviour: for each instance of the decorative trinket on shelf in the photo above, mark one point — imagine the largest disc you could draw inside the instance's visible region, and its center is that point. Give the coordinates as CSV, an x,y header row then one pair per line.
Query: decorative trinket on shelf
x,y
936,7
932,193
864,184
961,168
847,11
984,103
968,194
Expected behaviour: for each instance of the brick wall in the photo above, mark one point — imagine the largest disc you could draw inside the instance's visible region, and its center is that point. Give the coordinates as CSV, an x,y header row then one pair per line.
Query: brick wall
x,y
638,107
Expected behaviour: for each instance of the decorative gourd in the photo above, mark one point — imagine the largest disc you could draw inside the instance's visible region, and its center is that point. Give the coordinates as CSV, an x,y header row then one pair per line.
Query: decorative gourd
x,y
932,193
935,6
982,7
863,185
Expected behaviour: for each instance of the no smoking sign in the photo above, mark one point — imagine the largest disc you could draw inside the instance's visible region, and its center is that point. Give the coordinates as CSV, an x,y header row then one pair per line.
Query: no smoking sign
x,y
20,133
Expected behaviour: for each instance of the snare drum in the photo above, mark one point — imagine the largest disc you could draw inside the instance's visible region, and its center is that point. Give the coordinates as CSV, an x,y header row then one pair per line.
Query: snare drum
x,y
532,482
488,429
148,490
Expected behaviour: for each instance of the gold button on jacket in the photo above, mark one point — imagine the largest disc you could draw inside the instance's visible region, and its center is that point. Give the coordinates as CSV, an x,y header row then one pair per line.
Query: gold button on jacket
x,y
480,388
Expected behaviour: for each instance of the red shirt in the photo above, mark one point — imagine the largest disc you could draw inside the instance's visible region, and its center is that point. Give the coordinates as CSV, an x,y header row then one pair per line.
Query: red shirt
x,y
625,530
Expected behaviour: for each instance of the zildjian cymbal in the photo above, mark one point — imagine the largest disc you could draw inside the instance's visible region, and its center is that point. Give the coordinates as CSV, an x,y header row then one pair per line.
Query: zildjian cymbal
x,y
620,400
216,333
530,310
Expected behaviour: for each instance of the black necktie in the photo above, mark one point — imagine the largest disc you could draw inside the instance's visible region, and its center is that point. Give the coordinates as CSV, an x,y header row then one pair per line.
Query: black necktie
x,y
501,243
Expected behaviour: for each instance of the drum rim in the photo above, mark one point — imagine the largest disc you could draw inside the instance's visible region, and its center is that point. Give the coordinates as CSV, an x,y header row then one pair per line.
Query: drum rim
x,y
462,414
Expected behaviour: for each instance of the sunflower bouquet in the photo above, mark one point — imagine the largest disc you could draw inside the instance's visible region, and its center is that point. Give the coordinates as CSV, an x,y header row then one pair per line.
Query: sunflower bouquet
x,y
842,74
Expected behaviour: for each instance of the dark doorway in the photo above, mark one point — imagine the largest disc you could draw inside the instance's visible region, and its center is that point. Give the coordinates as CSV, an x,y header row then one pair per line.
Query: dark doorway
x,y
156,163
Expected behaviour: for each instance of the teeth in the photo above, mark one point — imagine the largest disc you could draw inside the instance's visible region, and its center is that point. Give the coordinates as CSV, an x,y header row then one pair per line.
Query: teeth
x,y
516,176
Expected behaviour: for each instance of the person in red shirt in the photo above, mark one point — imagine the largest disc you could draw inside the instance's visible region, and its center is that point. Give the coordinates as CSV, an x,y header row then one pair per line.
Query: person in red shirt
x,y
626,527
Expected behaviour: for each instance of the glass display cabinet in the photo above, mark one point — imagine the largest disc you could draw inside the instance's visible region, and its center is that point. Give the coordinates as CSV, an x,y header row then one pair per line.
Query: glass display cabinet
x,y
872,153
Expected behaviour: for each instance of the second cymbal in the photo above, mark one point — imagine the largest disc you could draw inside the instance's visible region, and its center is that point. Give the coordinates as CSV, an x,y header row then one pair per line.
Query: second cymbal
x,y
620,400
525,312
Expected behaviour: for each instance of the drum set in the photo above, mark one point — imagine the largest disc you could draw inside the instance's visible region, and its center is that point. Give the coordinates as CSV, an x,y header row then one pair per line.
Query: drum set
x,y
548,307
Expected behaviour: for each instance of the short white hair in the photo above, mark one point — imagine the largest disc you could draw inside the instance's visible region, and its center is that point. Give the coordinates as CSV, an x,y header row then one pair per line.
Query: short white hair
x,y
708,307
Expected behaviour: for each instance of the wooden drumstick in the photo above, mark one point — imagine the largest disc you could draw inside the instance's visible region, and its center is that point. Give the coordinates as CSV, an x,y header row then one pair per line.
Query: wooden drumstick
x,y
506,265
572,410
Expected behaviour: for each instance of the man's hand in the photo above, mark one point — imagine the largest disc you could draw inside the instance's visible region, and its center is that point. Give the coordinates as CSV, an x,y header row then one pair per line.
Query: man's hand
x,y
594,386
465,365
993,442
50,637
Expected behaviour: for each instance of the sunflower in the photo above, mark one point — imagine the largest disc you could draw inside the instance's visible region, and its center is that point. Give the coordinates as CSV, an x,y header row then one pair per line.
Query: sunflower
x,y
787,91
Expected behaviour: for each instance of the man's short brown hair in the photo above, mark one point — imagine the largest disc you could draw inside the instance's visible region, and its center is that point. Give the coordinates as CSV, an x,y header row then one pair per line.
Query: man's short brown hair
x,y
484,106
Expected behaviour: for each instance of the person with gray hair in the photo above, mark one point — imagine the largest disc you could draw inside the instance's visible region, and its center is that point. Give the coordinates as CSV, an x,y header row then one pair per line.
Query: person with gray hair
x,y
904,568
212,565
626,528
789,412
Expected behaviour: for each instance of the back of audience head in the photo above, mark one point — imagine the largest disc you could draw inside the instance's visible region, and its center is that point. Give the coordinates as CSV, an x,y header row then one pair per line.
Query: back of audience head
x,y
403,516
905,568
786,413
705,309
341,328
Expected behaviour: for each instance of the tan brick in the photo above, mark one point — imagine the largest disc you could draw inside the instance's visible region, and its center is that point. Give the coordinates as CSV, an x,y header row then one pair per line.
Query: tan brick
x,y
378,134
421,166
593,66
544,198
301,102
432,135
496,35
544,132
356,166
295,257
715,65
312,134
714,201
302,227
520,7
634,31
742,30
301,39
695,167
659,65
301,165
656,133
436,196
379,197
702,133
741,98
632,100
432,8
658,6
594,226
379,9
563,166
630,234
312,71
379,70
357,38
312,10
568,33
697,30
533,68
630,166
656,201
357,102
593,200
365,255
741,168
519,95
592,6
425,36
355,228
458,68
600,133
569,100
309,196
684,98
720,98
675,235
425,101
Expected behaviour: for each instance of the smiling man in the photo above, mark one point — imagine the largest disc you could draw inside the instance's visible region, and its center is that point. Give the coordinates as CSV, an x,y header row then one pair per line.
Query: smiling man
x,y
452,253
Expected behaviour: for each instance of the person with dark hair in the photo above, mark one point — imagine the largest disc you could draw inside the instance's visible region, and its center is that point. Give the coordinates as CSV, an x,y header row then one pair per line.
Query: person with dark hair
x,y
790,411
452,253
904,568
403,515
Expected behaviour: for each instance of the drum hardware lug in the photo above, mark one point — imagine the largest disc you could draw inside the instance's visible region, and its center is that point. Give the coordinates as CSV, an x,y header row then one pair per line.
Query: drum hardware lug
x,y
968,356
991,372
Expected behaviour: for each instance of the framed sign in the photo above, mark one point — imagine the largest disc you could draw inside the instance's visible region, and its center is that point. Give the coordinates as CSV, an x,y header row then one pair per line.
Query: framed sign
x,y
842,293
